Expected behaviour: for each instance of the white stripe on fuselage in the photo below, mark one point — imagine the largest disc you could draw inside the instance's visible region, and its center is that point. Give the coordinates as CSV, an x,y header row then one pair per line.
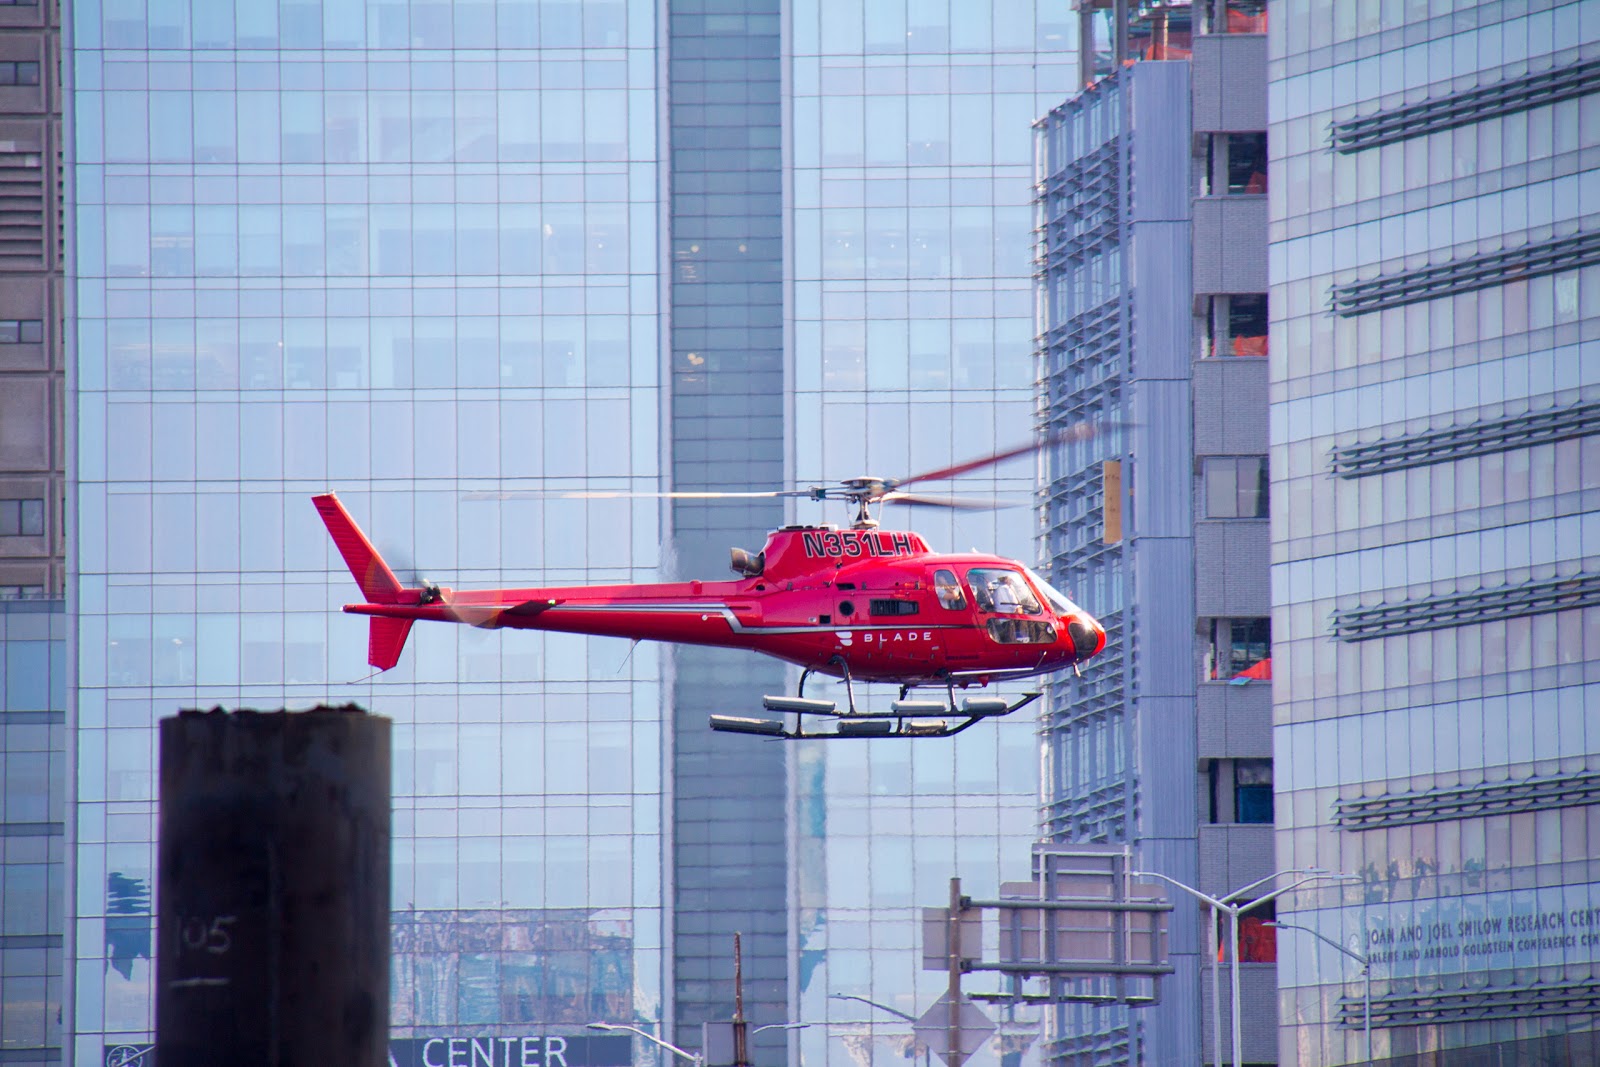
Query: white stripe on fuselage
x,y
705,611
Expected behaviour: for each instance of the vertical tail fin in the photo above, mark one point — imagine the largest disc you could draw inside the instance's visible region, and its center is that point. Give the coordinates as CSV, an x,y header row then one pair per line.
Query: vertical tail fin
x,y
378,583
387,638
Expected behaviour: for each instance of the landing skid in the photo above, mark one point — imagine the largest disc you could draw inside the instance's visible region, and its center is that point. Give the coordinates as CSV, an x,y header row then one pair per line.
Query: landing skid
x,y
905,718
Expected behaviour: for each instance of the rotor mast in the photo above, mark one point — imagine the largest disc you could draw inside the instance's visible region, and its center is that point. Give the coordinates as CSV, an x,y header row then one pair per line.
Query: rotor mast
x,y
864,492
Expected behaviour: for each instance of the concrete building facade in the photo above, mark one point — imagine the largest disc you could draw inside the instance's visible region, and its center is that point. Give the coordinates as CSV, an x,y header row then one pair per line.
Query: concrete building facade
x,y
33,462
1153,297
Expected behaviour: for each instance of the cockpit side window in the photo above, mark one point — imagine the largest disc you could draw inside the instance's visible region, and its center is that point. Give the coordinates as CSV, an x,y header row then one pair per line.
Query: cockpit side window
x,y
951,598
999,592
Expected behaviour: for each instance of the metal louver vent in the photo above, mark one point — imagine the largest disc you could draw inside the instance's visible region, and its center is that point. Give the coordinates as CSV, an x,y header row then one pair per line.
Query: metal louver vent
x,y
1468,801
1465,275
1472,439
1081,208
1464,108
1463,609
22,204
1474,1005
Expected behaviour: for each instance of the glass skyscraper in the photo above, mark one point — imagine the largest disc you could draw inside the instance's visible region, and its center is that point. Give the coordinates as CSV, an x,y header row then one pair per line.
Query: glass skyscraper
x,y
910,317
406,251
451,259
33,893
1434,382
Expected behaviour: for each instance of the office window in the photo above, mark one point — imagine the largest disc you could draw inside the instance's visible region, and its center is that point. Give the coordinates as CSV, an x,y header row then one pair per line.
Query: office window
x,y
21,518
1247,324
1245,16
19,74
1258,942
1235,487
1241,650
1252,791
1236,165
1247,163
21,331
1236,325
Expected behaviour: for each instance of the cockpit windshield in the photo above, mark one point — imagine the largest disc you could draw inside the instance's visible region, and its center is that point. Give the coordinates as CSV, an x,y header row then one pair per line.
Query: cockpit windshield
x,y
1001,592
1058,600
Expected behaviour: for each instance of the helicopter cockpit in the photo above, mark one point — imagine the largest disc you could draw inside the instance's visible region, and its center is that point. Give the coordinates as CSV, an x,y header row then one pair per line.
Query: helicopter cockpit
x,y
1088,638
1013,614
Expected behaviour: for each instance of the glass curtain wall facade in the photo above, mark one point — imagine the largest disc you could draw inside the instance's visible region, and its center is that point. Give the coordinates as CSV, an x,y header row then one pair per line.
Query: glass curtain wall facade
x,y
911,317
405,251
1435,531
33,773
727,434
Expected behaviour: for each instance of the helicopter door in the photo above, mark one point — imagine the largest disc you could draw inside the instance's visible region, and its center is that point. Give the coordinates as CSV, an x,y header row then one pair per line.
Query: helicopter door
x,y
1011,614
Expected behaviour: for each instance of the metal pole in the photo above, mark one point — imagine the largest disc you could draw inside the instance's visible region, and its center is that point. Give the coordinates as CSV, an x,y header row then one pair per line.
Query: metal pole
x,y
953,1037
1238,1054
1311,874
1366,1009
1119,45
1216,991
1085,47
273,889
1366,975
741,1041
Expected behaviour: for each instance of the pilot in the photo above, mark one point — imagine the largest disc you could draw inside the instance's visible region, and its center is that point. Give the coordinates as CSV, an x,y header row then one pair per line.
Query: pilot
x,y
1005,596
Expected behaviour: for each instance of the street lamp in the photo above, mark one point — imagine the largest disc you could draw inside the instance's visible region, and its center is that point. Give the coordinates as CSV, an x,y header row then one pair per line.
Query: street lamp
x,y
1366,975
927,1053
693,1058
1233,912
875,1004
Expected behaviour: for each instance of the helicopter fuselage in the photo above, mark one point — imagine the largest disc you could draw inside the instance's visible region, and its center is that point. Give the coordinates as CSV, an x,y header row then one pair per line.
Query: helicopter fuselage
x,y
877,605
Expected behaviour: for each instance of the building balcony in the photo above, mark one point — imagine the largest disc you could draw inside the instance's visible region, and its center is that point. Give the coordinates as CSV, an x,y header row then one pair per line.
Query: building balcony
x,y
1232,568
1230,407
1230,244
1234,855
1229,74
1258,1002
1234,721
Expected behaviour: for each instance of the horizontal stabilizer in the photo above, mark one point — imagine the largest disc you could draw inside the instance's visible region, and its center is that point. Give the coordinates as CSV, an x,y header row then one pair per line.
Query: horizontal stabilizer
x,y
531,607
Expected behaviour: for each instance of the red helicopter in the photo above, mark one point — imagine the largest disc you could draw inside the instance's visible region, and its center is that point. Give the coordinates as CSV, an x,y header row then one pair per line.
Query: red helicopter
x,y
860,604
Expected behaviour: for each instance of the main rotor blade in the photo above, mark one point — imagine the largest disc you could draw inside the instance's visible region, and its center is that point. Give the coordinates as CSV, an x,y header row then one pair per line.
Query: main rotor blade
x,y
626,494
951,502
1081,431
